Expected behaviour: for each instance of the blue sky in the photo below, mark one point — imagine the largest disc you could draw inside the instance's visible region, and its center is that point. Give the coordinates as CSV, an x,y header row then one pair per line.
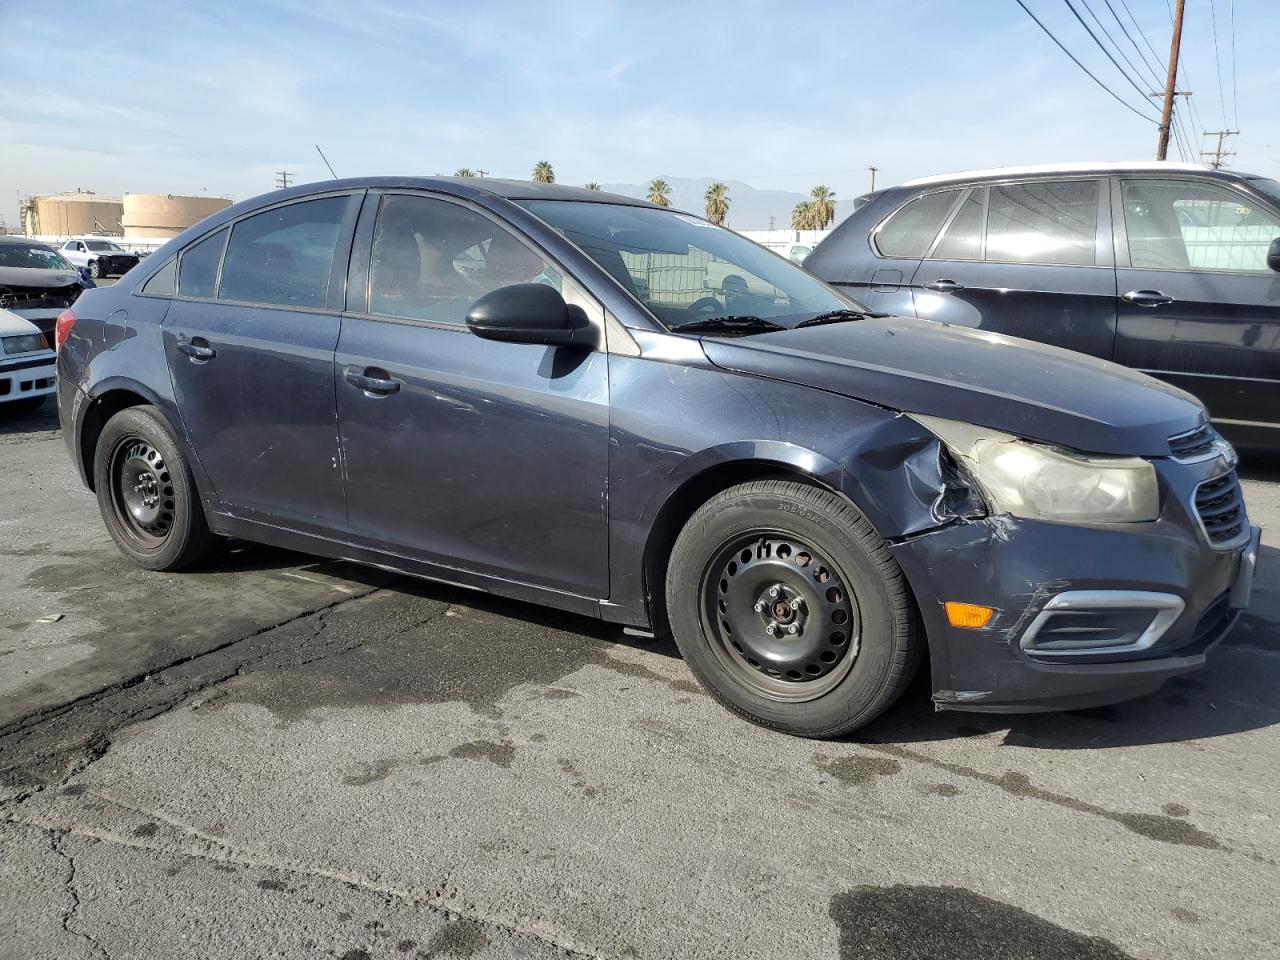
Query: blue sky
x,y
177,97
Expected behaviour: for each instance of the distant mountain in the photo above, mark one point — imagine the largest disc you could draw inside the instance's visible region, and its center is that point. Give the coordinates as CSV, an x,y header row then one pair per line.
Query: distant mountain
x,y
749,208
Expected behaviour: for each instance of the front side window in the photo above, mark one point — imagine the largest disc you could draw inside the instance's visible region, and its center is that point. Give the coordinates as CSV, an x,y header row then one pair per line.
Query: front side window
x,y
284,256
1044,222
1181,225
682,268
432,259
910,231
198,266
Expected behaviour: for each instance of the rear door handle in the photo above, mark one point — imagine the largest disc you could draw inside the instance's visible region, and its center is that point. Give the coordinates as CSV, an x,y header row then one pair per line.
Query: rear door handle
x,y
1147,298
198,349
943,286
372,381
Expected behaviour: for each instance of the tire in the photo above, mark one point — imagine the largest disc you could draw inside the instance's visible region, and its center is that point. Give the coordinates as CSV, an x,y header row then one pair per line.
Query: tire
x,y
146,494
26,404
94,270
857,638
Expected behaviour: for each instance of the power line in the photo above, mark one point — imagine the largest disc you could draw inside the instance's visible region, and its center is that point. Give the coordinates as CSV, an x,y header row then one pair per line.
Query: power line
x,y
1153,71
1235,90
1217,56
1058,42
1115,63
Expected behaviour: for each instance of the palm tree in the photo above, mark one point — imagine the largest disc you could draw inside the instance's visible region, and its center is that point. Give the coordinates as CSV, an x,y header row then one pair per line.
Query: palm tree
x,y
802,216
543,173
717,203
464,172
592,185
823,207
660,193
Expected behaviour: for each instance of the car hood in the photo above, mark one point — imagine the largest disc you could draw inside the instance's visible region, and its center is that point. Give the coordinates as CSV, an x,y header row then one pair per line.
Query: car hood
x,y
37,277
1018,386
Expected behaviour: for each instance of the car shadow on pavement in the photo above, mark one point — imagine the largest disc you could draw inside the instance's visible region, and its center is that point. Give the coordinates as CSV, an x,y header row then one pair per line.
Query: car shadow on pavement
x,y
36,421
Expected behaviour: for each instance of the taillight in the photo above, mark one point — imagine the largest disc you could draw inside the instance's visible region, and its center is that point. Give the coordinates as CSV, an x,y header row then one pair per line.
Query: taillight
x,y
66,320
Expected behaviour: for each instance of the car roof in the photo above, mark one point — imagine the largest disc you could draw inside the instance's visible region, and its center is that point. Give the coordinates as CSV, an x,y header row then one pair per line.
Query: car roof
x,y
460,186
1050,169
14,238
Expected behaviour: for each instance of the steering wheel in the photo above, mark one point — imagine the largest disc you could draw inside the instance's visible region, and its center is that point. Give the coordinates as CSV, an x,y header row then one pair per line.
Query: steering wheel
x,y
705,303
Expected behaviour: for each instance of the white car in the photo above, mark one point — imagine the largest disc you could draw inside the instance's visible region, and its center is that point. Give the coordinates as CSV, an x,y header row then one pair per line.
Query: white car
x,y
102,257
27,364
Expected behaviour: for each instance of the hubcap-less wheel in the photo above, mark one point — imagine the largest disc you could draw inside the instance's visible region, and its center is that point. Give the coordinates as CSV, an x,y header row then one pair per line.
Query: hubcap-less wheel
x,y
142,491
779,617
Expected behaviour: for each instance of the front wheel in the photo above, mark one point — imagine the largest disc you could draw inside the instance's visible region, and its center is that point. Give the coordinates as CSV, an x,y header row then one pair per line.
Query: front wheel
x,y
95,271
146,494
789,609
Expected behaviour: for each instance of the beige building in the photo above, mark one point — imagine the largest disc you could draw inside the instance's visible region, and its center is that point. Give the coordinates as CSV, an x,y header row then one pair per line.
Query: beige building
x,y
165,215
72,213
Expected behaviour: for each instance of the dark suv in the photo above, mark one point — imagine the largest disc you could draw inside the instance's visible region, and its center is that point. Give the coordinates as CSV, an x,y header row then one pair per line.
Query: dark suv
x,y
625,411
1168,268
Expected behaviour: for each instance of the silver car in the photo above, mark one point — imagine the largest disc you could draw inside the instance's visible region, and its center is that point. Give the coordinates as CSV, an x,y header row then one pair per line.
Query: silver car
x,y
101,257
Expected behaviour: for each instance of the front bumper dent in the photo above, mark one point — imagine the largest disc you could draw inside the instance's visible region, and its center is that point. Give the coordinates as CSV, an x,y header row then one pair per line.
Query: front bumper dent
x,y
1027,569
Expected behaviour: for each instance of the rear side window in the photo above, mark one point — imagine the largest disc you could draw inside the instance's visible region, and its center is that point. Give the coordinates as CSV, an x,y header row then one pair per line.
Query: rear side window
x,y
198,267
1180,225
963,239
161,285
910,231
284,256
1044,222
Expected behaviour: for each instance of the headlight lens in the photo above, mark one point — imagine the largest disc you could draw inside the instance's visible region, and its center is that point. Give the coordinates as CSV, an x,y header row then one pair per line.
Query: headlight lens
x,y
1041,482
23,343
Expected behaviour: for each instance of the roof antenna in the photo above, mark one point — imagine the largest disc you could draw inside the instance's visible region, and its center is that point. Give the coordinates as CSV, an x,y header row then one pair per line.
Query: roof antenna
x,y
326,162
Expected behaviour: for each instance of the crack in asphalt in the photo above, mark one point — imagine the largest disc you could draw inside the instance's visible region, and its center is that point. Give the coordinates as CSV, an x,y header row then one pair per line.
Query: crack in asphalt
x,y
220,851
94,717
55,842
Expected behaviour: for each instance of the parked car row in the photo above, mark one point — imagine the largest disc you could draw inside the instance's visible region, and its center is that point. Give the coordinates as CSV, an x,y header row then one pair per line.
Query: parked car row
x,y
1167,268
614,408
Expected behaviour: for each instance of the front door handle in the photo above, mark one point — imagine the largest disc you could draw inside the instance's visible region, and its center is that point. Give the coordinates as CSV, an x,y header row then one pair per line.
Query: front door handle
x,y
943,286
1148,298
198,349
372,381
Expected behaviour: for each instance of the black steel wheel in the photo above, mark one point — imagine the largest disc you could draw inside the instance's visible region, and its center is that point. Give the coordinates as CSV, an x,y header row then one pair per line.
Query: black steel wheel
x,y
146,492
789,608
781,614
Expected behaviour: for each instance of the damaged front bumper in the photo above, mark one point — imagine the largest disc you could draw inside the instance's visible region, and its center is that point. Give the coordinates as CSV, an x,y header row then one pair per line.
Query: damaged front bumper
x,y
1086,614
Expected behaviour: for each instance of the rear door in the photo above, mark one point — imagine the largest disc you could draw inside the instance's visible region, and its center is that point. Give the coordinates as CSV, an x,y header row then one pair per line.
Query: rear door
x,y
1198,305
1030,259
473,454
879,276
250,340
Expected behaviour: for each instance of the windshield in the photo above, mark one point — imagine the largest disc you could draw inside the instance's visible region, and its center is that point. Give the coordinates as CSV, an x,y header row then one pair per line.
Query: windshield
x,y
105,245
31,255
686,269
1265,185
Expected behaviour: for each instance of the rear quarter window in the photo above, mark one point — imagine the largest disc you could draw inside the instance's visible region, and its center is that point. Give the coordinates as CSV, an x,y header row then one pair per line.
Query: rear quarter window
x,y
198,266
910,231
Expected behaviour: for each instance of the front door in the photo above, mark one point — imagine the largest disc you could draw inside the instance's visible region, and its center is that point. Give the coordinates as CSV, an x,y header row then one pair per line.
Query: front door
x,y
1198,305
1026,259
466,453
250,340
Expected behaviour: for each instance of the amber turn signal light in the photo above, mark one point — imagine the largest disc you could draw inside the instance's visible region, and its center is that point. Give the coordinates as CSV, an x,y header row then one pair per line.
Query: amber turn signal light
x,y
969,615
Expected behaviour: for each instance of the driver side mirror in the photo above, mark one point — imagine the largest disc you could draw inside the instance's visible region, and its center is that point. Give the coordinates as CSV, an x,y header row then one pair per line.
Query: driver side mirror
x,y
531,313
1273,255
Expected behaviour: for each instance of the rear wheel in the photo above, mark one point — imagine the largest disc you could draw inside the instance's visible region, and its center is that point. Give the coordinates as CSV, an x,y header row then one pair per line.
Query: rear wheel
x,y
788,607
146,494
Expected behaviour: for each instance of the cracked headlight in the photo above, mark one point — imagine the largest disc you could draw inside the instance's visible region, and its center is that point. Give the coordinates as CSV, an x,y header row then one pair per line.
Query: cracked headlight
x,y
1041,482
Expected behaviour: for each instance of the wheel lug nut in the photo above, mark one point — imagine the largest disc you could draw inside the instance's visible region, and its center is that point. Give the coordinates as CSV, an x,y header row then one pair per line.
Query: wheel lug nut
x,y
759,607
769,629
795,604
773,591
793,629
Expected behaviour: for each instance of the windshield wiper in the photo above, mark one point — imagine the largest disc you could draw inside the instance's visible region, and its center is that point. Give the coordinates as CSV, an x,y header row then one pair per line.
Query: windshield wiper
x,y
730,325
833,316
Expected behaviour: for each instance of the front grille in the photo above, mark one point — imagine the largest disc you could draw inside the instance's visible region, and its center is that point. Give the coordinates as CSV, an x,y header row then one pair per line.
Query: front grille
x,y
1194,444
1219,504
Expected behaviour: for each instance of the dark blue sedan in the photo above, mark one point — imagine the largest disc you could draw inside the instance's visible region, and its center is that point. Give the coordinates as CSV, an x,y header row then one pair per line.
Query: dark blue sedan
x,y
622,410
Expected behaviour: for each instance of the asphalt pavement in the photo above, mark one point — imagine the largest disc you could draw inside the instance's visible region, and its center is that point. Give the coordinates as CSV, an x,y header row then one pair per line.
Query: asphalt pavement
x,y
278,756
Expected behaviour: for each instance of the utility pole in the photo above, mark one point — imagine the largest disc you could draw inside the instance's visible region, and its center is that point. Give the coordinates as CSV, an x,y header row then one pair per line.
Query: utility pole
x,y
1219,155
283,179
1170,87
873,178
481,173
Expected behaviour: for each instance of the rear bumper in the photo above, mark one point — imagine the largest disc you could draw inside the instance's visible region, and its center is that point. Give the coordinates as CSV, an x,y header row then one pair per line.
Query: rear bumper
x,y
1024,569
26,377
